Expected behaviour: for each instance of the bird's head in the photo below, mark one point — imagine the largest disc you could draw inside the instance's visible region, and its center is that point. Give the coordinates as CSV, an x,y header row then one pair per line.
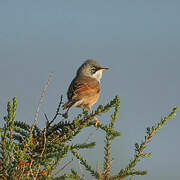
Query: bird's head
x,y
91,68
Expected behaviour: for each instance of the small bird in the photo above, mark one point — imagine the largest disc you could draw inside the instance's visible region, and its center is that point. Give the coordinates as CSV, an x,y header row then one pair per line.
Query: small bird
x,y
84,89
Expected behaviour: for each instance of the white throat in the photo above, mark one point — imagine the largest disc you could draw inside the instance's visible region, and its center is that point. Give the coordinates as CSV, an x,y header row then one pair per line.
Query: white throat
x,y
98,75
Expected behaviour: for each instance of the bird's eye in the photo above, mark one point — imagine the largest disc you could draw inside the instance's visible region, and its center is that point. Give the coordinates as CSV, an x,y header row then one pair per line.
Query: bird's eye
x,y
93,69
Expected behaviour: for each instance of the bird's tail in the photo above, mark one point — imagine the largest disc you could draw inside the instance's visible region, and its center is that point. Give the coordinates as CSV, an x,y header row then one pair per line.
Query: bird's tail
x,y
67,105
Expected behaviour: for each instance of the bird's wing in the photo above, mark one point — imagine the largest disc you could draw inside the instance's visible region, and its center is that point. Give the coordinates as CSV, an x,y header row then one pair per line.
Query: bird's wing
x,y
81,87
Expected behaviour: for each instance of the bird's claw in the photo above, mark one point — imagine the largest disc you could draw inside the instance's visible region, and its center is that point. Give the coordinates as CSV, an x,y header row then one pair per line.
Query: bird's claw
x,y
96,122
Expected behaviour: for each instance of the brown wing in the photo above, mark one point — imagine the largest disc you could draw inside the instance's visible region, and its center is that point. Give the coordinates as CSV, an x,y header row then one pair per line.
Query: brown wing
x,y
82,86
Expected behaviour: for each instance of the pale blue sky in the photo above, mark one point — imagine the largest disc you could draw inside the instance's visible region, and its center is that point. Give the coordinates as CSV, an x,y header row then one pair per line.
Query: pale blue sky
x,y
138,40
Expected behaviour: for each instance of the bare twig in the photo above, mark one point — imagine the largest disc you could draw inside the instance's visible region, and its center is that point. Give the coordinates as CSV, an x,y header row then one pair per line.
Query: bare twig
x,y
46,117
40,101
57,111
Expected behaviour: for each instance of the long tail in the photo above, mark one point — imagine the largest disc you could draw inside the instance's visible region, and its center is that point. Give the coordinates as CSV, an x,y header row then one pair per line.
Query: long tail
x,y
67,105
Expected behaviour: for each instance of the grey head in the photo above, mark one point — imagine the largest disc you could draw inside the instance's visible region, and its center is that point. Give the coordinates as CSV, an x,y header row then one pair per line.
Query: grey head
x,y
91,68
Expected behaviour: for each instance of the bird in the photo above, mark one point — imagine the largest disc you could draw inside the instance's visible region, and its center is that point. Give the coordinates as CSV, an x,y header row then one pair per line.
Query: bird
x,y
84,90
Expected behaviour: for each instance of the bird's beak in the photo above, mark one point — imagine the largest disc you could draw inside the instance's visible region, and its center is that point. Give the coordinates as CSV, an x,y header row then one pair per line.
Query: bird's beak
x,y
102,69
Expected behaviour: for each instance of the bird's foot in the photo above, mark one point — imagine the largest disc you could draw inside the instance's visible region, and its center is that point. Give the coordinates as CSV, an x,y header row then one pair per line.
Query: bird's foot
x,y
96,122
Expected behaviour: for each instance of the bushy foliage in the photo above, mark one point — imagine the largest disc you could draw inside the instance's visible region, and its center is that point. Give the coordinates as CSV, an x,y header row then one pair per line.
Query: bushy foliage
x,y
28,152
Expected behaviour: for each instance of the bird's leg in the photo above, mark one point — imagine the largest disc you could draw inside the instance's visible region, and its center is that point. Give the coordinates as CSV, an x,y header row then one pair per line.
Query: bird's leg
x,y
96,119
